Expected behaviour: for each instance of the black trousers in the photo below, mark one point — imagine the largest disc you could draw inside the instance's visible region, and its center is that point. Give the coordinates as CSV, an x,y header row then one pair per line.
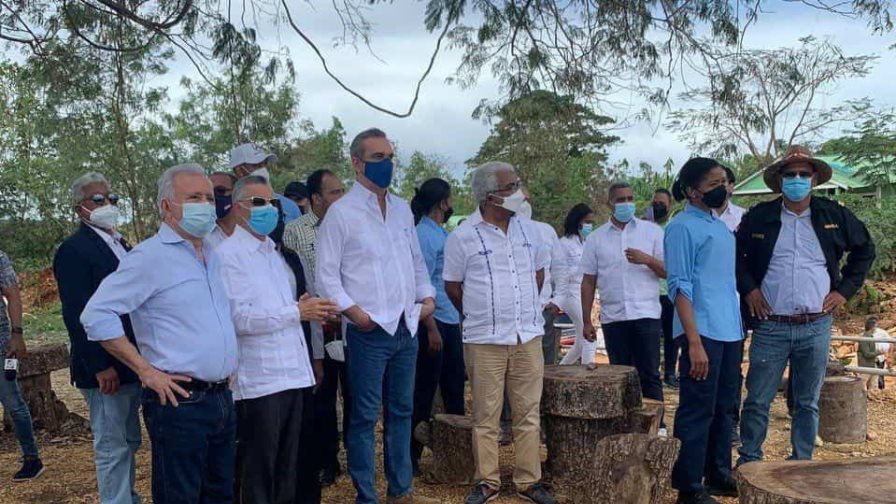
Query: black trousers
x,y
443,370
703,419
267,449
550,342
636,343
670,348
310,446
326,421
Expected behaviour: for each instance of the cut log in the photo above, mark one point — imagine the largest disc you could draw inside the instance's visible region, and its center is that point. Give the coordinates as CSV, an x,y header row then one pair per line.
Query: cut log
x,y
648,418
47,411
450,437
593,392
627,468
843,410
866,481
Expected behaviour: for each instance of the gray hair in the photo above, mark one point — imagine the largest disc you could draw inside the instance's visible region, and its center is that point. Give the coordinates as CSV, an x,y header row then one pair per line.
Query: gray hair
x,y
619,184
356,150
242,184
485,179
83,181
166,181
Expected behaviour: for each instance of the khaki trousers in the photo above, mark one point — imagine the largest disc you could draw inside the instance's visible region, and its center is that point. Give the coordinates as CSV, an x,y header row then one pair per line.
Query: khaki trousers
x,y
521,369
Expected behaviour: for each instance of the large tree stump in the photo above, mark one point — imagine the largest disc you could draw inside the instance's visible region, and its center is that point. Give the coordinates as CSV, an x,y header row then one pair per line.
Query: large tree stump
x,y
47,411
843,410
450,437
627,468
865,481
595,392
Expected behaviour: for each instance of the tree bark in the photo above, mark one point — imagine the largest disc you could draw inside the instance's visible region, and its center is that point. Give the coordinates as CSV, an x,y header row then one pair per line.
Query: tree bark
x,y
626,468
590,392
843,410
450,437
866,481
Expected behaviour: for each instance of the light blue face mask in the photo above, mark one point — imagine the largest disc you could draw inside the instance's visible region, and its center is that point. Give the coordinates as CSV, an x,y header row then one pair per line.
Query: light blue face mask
x,y
796,188
198,219
624,212
263,219
586,230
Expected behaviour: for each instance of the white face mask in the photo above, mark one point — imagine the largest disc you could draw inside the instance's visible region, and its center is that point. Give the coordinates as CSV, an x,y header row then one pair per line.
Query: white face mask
x,y
263,173
514,202
104,217
525,210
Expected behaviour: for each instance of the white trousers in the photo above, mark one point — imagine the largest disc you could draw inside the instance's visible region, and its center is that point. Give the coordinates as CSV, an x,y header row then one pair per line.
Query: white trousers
x,y
583,350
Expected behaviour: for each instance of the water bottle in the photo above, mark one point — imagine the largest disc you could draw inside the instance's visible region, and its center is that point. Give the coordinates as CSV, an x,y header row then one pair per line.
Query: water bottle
x,y
10,368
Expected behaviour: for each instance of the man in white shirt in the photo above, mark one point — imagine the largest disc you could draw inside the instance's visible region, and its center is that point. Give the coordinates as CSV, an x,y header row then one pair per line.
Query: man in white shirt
x,y
273,359
369,262
624,259
730,214
494,270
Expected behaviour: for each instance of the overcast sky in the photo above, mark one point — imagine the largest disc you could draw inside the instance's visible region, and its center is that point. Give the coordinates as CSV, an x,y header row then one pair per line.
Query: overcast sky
x,y
442,123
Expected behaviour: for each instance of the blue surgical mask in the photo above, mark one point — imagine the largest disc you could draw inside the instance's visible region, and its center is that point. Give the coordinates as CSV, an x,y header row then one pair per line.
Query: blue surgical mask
x,y
198,219
263,219
586,230
624,212
379,172
796,188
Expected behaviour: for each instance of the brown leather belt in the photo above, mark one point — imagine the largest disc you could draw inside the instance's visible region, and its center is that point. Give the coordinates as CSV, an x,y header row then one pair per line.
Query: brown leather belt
x,y
804,318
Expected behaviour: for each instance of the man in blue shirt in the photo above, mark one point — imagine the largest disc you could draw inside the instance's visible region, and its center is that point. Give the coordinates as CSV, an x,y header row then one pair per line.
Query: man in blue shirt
x,y
170,286
250,159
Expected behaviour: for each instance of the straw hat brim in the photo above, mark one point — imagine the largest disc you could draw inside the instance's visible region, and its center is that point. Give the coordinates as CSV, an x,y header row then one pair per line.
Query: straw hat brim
x,y
772,175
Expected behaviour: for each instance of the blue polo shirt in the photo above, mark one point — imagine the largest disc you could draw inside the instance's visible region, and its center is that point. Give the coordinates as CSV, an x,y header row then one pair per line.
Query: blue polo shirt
x,y
432,244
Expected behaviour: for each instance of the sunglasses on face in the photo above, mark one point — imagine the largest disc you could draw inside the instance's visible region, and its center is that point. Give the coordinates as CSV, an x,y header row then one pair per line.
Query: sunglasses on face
x,y
101,199
795,174
258,201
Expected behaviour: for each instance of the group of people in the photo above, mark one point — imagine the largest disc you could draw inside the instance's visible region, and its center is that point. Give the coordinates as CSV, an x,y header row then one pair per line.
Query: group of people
x,y
248,312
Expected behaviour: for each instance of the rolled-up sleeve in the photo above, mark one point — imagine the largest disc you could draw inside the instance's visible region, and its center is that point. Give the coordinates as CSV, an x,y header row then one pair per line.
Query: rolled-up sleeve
x,y
454,268
120,293
328,267
679,259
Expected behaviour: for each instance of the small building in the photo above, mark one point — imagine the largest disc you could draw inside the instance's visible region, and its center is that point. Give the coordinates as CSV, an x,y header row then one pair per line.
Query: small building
x,y
845,178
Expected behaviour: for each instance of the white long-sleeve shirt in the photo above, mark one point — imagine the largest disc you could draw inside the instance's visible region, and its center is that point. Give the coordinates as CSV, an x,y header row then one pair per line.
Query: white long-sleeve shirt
x,y
566,269
375,263
272,352
548,238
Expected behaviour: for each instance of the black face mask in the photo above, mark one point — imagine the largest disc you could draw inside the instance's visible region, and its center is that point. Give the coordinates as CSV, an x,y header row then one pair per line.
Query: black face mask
x,y
716,198
449,213
659,211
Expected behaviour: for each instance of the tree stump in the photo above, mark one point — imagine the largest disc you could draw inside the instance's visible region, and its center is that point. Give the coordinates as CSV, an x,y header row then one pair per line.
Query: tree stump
x,y
843,410
648,418
627,468
450,437
592,392
866,481
47,411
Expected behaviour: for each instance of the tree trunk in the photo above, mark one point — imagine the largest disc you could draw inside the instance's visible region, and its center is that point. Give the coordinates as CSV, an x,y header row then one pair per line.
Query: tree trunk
x,y
626,468
866,481
843,410
590,392
450,437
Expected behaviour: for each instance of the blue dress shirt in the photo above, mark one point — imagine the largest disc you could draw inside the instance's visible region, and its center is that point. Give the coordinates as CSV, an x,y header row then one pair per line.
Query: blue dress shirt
x,y
700,258
291,211
432,244
177,304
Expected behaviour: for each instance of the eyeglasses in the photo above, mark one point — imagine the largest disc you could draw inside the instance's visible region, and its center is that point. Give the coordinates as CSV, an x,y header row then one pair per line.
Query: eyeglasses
x,y
258,201
101,199
795,174
513,186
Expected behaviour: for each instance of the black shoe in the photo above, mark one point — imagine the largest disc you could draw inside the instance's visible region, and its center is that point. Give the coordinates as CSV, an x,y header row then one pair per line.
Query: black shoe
x,y
725,488
481,494
695,498
329,475
538,494
31,469
672,382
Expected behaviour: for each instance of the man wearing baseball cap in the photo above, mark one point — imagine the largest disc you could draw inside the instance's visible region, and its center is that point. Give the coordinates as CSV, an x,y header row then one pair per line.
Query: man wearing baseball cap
x,y
789,274
250,159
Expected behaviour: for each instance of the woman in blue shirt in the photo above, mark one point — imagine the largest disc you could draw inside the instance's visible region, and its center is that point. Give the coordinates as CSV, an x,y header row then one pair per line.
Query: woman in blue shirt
x,y
700,259
440,358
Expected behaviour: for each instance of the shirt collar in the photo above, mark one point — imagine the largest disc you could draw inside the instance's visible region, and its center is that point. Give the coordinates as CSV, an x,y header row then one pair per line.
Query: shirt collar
x,y
786,211
105,235
426,221
476,218
311,218
707,216
632,223
365,193
168,235
248,240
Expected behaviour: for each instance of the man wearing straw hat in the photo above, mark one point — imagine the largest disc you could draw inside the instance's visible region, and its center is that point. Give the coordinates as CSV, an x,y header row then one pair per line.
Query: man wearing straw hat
x,y
789,274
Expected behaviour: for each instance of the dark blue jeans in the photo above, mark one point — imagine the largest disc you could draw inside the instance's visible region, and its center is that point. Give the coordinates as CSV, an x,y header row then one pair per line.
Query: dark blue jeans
x,y
381,369
193,448
806,346
703,419
14,403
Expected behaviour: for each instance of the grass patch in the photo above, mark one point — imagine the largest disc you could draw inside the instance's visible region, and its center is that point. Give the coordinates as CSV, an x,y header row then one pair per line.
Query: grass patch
x,y
44,325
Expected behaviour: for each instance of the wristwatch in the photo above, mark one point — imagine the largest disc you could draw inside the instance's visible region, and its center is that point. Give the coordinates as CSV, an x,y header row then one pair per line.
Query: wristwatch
x,y
17,330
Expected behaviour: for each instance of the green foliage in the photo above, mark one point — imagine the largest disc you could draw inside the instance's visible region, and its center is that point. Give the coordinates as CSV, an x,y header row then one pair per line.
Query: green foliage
x,y
871,146
879,215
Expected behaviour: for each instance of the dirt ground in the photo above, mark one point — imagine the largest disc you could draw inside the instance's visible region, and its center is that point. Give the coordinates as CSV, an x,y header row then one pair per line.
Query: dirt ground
x,y
69,477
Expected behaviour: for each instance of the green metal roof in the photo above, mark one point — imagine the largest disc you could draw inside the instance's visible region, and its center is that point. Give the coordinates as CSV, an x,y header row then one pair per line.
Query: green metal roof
x,y
844,178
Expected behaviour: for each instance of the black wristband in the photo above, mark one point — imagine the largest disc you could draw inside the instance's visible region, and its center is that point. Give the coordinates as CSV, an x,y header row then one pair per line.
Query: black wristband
x,y
17,330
